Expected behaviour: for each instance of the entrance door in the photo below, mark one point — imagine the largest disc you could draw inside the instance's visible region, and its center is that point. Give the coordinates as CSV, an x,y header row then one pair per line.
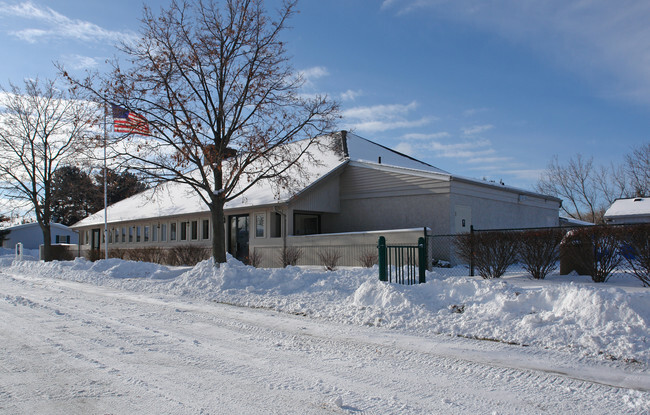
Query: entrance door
x,y
96,239
238,238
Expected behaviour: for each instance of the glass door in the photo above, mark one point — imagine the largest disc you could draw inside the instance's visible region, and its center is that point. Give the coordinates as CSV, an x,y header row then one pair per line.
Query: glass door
x,y
238,237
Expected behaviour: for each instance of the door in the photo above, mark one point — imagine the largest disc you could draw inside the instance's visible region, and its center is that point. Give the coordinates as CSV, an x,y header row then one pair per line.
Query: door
x,y
238,236
463,218
96,239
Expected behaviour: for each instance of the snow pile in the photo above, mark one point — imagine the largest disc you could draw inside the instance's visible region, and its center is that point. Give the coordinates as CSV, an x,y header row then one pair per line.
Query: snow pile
x,y
575,316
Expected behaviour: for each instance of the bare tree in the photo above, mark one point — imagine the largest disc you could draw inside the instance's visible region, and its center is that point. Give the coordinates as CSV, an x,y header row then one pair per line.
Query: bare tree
x,y
575,183
221,98
637,167
41,128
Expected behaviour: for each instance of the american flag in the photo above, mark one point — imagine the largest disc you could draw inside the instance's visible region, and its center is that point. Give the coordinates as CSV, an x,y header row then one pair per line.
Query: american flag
x,y
125,121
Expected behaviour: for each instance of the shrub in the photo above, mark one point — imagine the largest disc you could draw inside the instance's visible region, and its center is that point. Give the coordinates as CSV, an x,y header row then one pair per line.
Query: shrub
x,y
187,255
636,251
595,249
255,258
119,253
290,255
62,252
368,258
94,254
148,254
329,258
491,253
538,251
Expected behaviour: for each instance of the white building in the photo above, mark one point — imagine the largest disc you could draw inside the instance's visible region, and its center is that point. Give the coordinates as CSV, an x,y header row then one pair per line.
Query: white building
x,y
355,189
31,235
625,211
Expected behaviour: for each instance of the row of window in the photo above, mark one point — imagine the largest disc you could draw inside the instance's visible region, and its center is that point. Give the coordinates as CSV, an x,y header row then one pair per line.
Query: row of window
x,y
174,231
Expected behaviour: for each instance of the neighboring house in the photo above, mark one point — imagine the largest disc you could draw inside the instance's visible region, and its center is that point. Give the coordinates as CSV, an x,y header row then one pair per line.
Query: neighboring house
x,y
570,222
624,211
31,235
356,188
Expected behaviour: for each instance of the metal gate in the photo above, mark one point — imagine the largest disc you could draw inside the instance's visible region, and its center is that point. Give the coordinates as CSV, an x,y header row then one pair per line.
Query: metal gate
x,y
402,264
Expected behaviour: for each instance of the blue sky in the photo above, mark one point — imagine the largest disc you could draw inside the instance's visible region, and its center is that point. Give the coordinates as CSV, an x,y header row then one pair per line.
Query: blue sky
x,y
481,89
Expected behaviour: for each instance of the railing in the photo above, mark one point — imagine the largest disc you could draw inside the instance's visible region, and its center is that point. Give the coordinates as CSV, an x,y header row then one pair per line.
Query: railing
x,y
402,264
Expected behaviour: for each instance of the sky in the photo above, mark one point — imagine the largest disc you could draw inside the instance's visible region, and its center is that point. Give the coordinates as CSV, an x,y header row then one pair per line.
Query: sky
x,y
480,89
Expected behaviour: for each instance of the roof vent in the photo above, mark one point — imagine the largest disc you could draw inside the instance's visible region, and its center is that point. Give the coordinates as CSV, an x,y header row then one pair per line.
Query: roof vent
x,y
638,199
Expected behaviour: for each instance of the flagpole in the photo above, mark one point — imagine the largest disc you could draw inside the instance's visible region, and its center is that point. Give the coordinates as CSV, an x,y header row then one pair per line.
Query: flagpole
x,y
105,186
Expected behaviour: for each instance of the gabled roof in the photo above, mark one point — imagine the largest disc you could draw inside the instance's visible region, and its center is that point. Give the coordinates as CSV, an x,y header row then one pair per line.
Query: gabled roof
x,y
325,157
638,206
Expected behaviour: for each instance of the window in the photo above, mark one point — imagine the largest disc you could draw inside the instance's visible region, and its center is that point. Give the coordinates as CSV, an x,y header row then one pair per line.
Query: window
x,y
259,225
130,234
117,235
146,234
163,232
56,239
306,224
194,230
123,235
86,238
183,231
137,234
172,231
154,233
206,229
110,236
275,225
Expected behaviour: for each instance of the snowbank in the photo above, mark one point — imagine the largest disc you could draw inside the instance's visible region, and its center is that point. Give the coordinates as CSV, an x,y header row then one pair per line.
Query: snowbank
x,y
564,314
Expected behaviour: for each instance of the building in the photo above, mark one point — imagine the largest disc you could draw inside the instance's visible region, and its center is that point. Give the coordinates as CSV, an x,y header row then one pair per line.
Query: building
x,y
351,191
627,211
31,235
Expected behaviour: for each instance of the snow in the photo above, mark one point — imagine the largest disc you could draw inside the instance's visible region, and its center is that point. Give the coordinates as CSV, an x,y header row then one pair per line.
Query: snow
x,y
577,337
625,207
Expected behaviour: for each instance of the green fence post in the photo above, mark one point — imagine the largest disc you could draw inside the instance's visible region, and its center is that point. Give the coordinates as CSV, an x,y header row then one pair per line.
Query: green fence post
x,y
471,254
381,246
422,260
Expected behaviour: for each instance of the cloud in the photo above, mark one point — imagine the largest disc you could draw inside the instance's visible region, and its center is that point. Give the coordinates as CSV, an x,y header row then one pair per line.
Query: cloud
x,y
476,129
473,111
605,42
314,73
379,118
55,25
79,62
420,136
351,95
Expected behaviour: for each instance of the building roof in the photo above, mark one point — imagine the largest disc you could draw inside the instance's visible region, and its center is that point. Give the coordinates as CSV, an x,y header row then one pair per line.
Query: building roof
x,y
329,154
638,206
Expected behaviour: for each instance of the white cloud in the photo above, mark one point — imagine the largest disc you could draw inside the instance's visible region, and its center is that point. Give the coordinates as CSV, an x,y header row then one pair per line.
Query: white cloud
x,y
405,148
351,95
316,72
476,129
79,62
432,136
57,25
473,111
379,118
605,42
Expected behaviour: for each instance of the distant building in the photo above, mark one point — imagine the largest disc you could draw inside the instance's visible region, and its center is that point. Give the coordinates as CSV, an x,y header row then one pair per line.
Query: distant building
x,y
625,211
31,235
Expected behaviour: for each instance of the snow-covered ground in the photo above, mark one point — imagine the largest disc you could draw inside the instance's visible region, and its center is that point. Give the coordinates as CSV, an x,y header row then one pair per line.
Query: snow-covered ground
x,y
117,336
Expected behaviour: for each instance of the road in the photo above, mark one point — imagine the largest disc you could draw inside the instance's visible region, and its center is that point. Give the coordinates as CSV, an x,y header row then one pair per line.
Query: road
x,y
73,348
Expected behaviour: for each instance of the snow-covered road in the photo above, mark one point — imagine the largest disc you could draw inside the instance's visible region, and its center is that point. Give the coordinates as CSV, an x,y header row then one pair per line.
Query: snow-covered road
x,y
70,347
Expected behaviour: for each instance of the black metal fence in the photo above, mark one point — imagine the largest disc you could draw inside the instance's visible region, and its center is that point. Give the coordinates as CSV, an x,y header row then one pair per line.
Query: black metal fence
x,y
402,264
598,251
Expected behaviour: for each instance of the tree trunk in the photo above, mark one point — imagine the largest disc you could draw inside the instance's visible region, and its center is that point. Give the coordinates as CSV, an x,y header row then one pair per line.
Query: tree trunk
x,y
47,243
218,231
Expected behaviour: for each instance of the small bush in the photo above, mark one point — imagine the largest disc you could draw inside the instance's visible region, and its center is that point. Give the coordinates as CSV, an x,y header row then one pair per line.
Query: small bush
x,y
636,251
149,254
369,258
290,255
595,249
255,258
187,255
94,255
119,253
538,251
329,258
62,252
490,252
